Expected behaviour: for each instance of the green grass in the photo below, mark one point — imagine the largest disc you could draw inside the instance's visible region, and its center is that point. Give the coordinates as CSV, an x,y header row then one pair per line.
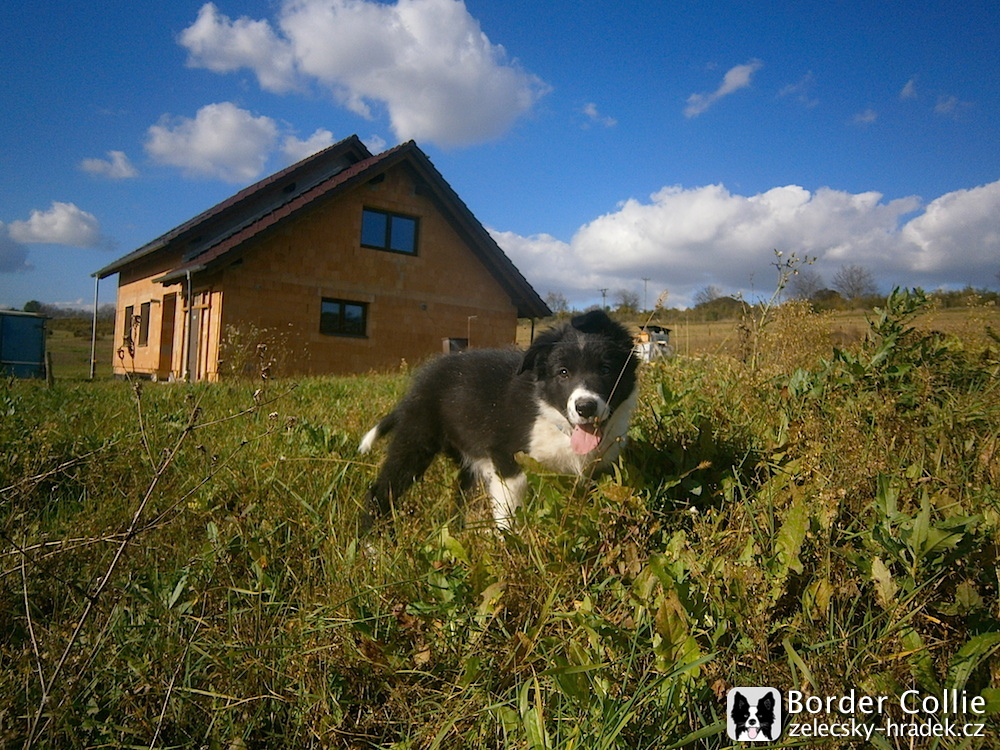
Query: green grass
x,y
180,565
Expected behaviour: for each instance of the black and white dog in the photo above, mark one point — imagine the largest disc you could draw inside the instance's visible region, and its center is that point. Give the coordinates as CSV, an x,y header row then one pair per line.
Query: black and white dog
x,y
566,402
754,721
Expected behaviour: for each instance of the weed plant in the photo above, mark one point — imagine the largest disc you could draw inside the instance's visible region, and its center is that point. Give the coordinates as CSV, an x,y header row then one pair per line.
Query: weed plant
x,y
180,565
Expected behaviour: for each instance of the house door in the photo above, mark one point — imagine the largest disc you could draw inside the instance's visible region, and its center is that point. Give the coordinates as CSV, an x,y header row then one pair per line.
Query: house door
x,y
168,310
198,365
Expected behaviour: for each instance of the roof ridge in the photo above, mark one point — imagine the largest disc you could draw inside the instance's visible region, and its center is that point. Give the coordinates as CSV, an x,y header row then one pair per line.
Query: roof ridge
x,y
227,234
236,200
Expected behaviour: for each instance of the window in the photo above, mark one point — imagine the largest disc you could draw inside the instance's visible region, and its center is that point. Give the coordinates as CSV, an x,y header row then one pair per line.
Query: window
x,y
127,329
386,231
343,318
143,324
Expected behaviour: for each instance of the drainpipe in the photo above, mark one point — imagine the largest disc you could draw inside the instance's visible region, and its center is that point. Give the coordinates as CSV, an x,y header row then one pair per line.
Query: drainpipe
x,y
93,332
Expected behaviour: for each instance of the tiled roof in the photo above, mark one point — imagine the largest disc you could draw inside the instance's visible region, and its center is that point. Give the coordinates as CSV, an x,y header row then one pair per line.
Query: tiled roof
x,y
269,219
243,207
209,237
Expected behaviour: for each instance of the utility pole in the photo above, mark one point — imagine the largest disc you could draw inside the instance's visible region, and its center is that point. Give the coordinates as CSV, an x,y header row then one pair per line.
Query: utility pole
x,y
604,299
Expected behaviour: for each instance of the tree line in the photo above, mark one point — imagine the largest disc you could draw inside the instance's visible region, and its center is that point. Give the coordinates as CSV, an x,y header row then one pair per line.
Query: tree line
x,y
853,287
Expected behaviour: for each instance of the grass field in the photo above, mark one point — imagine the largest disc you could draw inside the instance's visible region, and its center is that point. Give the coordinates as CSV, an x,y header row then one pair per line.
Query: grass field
x,y
179,564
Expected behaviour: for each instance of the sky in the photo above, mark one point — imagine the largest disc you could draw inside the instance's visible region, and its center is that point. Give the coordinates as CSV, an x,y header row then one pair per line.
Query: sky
x,y
650,147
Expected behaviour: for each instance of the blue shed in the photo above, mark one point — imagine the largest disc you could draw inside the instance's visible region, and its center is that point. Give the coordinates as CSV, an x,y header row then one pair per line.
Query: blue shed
x,y
22,344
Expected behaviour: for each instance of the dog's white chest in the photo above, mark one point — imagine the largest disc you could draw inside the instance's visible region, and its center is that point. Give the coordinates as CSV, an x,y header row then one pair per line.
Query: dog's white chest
x,y
550,439
550,443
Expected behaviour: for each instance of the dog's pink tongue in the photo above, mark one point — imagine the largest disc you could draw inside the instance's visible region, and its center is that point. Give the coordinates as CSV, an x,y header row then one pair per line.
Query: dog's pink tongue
x,y
584,439
752,732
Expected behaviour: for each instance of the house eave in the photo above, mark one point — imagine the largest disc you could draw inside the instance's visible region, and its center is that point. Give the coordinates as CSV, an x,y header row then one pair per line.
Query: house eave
x,y
178,275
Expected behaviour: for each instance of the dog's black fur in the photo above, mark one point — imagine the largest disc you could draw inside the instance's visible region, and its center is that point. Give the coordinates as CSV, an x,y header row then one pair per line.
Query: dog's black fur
x,y
566,402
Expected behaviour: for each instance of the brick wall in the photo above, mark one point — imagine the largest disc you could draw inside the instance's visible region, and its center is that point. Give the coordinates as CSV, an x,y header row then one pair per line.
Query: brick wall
x,y
274,290
413,302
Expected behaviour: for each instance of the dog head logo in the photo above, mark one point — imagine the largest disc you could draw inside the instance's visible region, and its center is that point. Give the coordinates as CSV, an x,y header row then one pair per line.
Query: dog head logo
x,y
753,714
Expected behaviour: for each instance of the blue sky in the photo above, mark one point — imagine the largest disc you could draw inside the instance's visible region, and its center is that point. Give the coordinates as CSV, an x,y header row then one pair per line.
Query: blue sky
x,y
601,143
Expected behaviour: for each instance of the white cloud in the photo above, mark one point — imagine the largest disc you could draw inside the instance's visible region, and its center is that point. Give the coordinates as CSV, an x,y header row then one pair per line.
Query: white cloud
x,y
62,224
221,45
375,143
117,166
909,91
865,117
801,91
595,117
221,141
956,234
951,106
684,239
295,149
736,78
427,62
13,255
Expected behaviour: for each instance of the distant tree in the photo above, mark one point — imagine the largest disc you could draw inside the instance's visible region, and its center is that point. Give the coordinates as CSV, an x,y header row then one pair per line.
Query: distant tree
x,y
720,308
627,301
707,295
32,306
827,299
557,302
806,283
855,282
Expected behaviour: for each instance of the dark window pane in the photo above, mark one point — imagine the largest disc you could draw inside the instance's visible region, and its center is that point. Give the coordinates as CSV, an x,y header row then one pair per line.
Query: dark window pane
x,y
329,317
341,318
354,319
129,320
144,324
404,234
374,228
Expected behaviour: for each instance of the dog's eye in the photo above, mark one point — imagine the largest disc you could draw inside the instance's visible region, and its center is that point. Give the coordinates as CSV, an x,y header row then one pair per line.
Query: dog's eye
x,y
562,372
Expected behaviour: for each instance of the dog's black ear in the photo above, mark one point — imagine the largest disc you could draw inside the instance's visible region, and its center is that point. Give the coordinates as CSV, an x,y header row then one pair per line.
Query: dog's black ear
x,y
594,321
534,358
530,358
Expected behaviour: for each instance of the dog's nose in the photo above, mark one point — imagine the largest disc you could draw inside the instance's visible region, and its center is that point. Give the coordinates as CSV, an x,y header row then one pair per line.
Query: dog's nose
x,y
586,407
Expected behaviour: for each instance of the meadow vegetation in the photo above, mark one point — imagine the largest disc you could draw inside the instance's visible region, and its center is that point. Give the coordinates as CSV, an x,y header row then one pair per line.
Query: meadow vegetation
x,y
180,566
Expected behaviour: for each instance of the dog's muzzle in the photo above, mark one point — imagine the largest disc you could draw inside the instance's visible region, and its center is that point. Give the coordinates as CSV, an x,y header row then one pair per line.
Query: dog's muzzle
x,y
586,412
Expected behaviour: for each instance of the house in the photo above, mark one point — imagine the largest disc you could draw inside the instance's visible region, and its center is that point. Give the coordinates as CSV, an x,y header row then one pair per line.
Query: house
x,y
347,261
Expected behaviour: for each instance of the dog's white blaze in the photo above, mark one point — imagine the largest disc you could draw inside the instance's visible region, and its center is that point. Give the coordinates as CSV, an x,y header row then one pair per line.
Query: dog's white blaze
x,y
368,441
550,437
506,493
579,394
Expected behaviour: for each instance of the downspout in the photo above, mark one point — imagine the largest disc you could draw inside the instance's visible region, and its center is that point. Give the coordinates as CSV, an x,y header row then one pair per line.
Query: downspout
x,y
93,332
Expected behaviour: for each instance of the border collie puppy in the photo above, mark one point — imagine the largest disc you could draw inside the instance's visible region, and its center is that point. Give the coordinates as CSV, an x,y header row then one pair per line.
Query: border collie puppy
x,y
566,402
753,721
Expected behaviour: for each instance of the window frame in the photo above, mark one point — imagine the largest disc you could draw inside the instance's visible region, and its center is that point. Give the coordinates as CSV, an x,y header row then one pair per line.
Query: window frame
x,y
144,309
127,332
342,328
385,245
